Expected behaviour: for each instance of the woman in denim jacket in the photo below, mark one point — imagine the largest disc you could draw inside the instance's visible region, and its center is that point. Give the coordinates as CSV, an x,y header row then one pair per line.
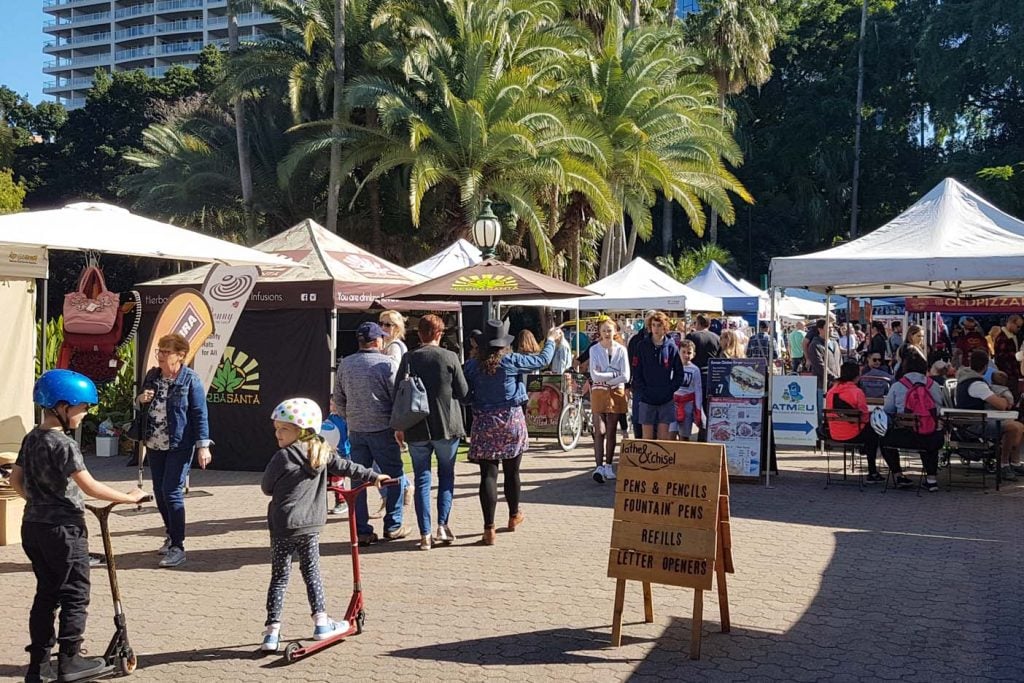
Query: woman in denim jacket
x,y
498,434
175,427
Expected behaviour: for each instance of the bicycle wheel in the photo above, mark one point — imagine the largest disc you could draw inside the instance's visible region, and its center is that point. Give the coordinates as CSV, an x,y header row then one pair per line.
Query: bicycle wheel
x,y
570,424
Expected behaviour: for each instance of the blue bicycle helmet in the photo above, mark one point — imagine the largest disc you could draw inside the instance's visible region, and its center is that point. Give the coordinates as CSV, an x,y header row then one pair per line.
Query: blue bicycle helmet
x,y
72,387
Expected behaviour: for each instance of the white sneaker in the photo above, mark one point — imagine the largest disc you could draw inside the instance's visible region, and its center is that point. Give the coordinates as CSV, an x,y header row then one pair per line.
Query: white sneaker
x,y
175,557
271,640
609,473
599,474
329,630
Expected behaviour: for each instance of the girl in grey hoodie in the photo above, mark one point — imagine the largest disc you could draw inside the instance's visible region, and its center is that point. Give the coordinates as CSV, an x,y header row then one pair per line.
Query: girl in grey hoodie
x,y
296,481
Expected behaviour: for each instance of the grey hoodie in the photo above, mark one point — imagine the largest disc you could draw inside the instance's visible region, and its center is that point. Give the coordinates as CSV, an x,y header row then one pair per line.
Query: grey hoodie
x,y
298,493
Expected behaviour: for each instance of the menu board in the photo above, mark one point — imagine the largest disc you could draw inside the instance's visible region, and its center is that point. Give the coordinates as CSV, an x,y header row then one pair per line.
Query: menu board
x,y
544,403
736,394
795,410
666,527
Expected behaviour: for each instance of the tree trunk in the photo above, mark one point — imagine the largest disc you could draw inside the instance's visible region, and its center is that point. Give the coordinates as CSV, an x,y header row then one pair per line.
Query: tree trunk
x,y
334,179
630,246
672,6
666,226
854,195
635,18
242,142
606,252
373,187
713,218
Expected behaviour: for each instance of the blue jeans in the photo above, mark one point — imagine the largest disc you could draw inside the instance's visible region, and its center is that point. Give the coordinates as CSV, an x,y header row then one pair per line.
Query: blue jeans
x,y
421,452
169,470
380,448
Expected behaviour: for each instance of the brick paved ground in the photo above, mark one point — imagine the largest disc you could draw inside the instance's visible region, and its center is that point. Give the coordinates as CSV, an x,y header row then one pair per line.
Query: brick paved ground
x,y
833,584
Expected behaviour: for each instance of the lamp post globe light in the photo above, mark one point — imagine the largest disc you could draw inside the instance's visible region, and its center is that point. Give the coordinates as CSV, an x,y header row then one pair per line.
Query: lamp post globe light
x,y
486,231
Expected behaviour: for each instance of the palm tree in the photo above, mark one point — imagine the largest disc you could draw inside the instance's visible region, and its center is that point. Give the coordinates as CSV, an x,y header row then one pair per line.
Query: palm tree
x,y
663,126
735,38
469,118
242,144
334,180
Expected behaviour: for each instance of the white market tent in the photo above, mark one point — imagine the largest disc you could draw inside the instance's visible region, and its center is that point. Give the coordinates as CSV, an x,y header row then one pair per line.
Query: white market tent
x,y
951,241
25,240
457,255
794,307
637,286
107,229
738,296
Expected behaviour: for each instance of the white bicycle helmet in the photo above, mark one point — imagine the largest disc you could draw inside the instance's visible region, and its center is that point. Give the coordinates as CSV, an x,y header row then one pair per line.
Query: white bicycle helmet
x,y
879,421
301,412
331,434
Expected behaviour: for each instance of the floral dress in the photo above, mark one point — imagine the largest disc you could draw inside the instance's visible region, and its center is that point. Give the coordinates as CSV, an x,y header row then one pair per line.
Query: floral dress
x,y
159,438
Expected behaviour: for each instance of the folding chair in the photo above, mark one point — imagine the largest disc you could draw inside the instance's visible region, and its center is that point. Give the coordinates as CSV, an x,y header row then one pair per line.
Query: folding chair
x,y
902,422
965,436
852,448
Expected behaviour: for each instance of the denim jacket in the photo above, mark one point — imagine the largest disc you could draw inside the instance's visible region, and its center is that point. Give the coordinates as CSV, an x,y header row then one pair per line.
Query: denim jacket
x,y
504,389
187,423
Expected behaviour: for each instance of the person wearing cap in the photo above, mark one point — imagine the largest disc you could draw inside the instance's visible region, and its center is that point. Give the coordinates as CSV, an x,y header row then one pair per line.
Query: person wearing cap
x,y
498,434
971,338
364,393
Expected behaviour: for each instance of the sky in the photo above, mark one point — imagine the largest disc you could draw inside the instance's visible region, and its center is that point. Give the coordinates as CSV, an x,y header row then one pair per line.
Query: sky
x,y
21,47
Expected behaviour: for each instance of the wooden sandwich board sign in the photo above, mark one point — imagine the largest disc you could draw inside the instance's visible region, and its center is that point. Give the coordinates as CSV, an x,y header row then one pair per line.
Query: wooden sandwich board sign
x,y
671,526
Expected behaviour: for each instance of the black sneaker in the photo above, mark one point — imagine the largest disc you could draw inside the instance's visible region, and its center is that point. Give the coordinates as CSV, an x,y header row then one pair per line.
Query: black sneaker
x,y
874,478
41,672
904,482
75,667
932,486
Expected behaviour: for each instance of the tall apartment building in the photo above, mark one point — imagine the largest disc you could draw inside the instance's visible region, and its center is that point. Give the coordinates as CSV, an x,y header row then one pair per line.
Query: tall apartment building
x,y
122,35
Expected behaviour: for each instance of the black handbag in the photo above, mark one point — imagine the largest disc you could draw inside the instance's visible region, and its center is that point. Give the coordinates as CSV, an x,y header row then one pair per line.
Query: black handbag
x,y
137,429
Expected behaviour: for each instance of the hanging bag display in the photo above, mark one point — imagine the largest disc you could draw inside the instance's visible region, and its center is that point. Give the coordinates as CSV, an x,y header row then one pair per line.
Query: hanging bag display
x,y
92,308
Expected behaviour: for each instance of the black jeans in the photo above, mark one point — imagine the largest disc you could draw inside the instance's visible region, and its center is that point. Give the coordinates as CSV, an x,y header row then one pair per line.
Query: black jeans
x,y
60,561
869,438
927,445
489,487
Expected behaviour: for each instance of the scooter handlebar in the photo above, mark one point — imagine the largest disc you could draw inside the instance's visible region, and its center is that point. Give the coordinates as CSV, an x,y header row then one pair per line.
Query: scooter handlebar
x,y
360,487
97,508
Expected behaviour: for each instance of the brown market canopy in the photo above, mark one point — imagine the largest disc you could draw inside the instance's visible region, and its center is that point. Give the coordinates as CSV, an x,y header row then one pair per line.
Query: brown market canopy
x,y
491,279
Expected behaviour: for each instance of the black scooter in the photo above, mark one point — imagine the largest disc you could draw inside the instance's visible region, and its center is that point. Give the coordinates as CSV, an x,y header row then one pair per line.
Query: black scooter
x,y
119,655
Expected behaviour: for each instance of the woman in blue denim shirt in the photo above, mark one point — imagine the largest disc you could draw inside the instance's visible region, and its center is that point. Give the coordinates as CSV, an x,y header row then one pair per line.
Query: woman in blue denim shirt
x,y
499,433
176,425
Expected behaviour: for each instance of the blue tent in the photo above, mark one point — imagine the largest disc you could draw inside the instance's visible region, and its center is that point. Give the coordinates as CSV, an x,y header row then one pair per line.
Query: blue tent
x,y
739,297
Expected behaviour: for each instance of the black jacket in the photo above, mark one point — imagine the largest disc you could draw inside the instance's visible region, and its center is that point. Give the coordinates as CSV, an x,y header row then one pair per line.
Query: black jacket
x,y
298,493
445,384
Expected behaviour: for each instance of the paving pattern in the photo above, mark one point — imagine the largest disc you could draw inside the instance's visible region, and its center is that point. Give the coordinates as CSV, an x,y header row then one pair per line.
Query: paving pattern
x,y
838,584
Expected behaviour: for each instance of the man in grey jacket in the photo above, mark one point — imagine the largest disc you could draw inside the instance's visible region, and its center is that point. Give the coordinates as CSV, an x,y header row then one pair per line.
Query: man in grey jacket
x,y
363,394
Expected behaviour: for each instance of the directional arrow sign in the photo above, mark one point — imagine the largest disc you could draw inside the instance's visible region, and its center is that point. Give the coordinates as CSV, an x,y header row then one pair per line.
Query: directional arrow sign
x,y
806,427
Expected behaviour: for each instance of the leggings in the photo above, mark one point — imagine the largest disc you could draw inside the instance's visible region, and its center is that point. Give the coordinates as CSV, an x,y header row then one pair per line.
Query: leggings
x,y
307,547
604,437
489,487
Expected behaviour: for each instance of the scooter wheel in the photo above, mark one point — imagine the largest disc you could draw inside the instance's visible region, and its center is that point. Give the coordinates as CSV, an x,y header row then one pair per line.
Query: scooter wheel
x,y
360,620
128,662
289,652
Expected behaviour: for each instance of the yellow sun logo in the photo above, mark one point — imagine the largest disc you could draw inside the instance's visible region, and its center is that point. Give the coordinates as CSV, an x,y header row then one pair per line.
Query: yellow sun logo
x,y
485,283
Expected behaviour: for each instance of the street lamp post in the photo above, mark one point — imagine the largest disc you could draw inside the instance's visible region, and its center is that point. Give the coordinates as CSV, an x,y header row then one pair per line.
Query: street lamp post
x,y
486,230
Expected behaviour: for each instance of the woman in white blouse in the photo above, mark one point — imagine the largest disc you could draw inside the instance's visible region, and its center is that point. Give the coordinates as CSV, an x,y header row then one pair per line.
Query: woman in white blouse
x,y
609,372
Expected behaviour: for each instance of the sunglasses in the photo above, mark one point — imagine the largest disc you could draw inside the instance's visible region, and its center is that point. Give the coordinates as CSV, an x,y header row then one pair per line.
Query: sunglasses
x,y
387,324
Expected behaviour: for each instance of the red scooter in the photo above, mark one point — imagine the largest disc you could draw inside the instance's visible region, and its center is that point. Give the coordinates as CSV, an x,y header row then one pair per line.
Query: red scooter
x,y
355,615
119,654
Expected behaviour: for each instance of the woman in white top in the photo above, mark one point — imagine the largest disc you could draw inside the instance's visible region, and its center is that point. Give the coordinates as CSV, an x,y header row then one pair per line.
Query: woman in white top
x,y
393,325
609,372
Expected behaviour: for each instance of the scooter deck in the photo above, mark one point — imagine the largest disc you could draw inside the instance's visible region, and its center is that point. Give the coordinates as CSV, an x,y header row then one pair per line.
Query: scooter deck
x,y
294,651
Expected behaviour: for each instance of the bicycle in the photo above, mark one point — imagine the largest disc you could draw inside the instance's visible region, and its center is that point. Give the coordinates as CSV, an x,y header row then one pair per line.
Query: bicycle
x,y
576,417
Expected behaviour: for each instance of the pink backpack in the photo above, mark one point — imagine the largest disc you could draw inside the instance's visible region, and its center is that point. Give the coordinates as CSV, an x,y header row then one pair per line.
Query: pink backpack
x,y
920,402
92,309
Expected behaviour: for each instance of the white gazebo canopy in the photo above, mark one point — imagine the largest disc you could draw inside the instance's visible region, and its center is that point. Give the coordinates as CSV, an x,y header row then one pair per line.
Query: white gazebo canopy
x,y
635,287
457,255
951,241
87,226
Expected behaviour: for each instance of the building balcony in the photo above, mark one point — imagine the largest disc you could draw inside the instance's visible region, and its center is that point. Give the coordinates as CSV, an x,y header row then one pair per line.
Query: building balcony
x,y
64,43
133,11
79,20
65,3
173,5
176,48
159,71
81,83
134,53
77,103
178,26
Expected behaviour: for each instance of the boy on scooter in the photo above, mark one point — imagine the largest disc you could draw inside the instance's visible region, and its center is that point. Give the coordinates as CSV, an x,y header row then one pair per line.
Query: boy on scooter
x,y
51,475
